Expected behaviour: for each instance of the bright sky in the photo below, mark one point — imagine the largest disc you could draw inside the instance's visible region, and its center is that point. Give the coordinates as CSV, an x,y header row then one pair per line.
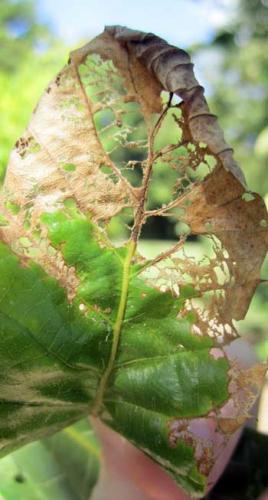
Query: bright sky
x,y
181,22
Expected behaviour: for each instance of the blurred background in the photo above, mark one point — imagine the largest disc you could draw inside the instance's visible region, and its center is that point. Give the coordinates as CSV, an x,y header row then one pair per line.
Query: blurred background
x,y
228,43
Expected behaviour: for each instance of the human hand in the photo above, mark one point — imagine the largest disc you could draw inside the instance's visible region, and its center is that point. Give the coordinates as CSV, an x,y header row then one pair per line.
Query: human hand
x,y
127,473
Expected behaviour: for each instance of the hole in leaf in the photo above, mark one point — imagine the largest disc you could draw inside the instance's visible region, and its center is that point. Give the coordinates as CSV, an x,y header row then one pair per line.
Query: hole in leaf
x,y
120,224
12,207
248,197
182,228
3,221
19,478
69,167
263,223
106,170
165,98
25,242
208,226
211,161
109,172
202,171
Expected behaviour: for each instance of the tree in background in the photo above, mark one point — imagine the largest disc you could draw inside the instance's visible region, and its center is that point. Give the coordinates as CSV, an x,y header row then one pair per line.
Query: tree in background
x,y
240,88
20,33
26,46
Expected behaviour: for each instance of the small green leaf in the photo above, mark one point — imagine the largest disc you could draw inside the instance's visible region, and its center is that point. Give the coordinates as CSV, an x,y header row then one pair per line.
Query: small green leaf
x,y
61,467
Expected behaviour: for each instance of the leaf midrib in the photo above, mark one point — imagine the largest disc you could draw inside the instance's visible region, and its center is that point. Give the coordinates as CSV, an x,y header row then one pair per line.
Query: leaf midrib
x,y
132,245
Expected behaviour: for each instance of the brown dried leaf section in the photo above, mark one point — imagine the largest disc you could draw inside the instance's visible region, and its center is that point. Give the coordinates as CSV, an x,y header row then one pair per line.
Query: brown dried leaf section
x,y
62,133
58,158
209,434
173,69
63,129
140,83
217,202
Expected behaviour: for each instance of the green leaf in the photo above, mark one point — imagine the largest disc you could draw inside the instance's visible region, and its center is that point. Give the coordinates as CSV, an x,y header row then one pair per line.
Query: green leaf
x,y
61,354
61,467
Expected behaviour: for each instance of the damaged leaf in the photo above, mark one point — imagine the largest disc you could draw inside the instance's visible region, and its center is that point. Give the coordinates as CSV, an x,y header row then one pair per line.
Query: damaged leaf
x,y
91,327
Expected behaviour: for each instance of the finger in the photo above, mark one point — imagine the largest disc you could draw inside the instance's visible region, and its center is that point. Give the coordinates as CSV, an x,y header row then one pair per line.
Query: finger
x,y
127,473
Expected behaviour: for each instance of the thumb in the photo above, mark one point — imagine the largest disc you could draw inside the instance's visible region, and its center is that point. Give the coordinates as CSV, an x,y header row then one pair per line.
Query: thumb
x,y
127,473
